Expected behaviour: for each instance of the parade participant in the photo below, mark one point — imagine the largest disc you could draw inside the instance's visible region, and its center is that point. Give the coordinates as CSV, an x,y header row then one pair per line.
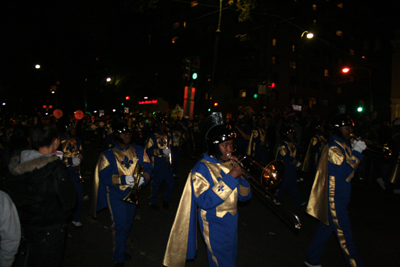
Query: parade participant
x,y
215,186
176,133
114,177
287,153
243,132
315,147
258,143
71,146
10,230
158,148
45,197
331,191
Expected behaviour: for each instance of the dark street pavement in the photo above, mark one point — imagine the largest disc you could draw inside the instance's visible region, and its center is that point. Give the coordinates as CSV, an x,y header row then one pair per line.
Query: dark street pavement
x,y
264,240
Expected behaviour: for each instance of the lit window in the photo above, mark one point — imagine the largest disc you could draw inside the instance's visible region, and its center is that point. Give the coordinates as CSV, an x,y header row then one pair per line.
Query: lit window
x,y
194,3
340,5
293,64
273,61
174,39
273,41
351,52
314,7
175,25
242,93
339,33
184,24
314,22
326,73
293,48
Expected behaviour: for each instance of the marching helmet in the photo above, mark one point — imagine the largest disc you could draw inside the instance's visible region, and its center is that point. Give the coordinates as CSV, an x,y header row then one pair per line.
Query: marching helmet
x,y
338,121
119,129
217,135
286,129
341,120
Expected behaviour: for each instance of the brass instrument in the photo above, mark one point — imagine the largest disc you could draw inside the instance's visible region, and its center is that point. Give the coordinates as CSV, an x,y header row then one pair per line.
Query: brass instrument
x,y
270,177
132,197
375,148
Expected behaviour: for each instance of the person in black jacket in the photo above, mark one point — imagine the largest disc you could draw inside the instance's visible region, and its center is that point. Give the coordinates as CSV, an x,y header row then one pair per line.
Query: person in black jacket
x,y
42,190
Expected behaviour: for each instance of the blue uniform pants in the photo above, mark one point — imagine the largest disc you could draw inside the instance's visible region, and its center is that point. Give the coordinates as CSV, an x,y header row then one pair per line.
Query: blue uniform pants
x,y
162,172
344,235
122,215
289,184
76,217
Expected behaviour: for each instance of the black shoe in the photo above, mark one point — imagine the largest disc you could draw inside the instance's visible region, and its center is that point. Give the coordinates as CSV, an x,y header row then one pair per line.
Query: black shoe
x,y
165,205
128,256
154,207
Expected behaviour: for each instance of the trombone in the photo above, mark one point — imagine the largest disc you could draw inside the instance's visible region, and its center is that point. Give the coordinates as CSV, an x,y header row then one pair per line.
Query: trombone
x,y
132,197
270,177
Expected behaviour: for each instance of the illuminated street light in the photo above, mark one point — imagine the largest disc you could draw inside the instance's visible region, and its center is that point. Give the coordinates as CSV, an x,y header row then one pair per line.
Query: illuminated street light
x,y
309,35
37,66
345,70
4,103
108,79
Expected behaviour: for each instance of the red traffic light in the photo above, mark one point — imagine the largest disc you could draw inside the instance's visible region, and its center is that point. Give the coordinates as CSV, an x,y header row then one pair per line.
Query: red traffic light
x,y
127,97
44,106
215,104
272,85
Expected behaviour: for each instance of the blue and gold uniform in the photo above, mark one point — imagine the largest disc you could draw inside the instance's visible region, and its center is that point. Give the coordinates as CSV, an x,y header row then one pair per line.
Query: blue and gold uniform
x,y
155,148
211,193
314,151
72,147
215,192
329,199
257,145
113,166
287,153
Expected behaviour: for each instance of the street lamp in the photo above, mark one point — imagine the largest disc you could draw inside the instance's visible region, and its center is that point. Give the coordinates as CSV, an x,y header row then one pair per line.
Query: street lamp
x,y
371,98
37,66
308,34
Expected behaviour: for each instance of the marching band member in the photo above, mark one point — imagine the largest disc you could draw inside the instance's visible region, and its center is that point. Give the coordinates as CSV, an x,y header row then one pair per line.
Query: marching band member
x,y
214,186
330,194
114,176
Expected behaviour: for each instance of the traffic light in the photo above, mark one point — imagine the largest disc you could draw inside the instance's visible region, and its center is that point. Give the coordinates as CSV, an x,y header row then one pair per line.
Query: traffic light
x,y
122,104
360,109
255,95
215,104
127,97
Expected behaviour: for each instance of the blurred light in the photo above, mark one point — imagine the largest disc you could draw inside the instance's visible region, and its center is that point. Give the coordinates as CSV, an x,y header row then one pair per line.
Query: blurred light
x,y
4,103
108,79
44,106
46,114
95,111
146,97
272,85
345,70
215,104
53,92
114,110
209,109
37,66
127,97
194,76
51,106
122,104
310,35
255,95
360,109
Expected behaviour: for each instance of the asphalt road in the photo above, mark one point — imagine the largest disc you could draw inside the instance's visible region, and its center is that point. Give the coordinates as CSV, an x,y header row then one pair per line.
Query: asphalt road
x,y
264,239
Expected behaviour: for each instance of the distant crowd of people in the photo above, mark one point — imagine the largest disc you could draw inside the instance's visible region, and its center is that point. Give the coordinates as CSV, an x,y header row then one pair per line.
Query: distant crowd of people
x,y
42,182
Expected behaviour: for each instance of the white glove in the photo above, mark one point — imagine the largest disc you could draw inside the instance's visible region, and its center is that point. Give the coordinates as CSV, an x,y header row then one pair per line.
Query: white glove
x,y
76,160
142,181
166,151
129,180
359,145
59,154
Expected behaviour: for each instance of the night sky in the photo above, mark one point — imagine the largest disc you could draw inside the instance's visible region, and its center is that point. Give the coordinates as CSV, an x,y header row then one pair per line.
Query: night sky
x,y
74,41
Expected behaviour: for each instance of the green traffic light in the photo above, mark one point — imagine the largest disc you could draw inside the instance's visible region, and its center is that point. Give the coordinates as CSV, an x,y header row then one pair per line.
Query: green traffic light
x,y
122,104
360,109
194,75
255,95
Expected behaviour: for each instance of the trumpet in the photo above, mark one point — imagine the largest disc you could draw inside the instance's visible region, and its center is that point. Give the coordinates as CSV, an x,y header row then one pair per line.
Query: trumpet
x,y
132,197
375,148
270,177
